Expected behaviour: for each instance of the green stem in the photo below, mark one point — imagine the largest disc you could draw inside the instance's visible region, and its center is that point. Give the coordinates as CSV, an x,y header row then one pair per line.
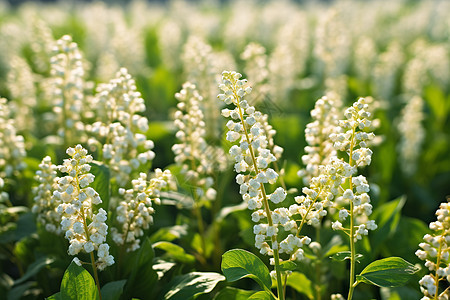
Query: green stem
x,y
352,227
265,201
95,275
436,277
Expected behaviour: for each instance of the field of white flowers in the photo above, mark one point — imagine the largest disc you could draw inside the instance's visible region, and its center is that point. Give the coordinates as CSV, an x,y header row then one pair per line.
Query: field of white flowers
x,y
225,150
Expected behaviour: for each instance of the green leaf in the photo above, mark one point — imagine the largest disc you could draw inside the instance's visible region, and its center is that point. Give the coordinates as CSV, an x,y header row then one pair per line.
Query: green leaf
x,y
388,272
101,182
238,263
169,233
34,268
142,279
174,251
189,285
386,217
229,293
25,226
113,290
299,282
162,266
261,295
288,266
18,291
341,256
78,284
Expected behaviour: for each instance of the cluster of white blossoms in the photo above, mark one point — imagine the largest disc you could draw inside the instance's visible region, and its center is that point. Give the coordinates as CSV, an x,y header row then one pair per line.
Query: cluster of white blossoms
x,y
252,159
12,145
198,159
44,203
412,134
67,86
120,127
436,253
320,149
21,85
134,213
353,137
85,229
256,69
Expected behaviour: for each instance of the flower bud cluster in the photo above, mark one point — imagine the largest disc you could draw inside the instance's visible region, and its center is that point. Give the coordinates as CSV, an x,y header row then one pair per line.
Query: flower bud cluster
x,y
353,137
256,69
44,203
67,85
252,159
85,229
320,149
412,134
21,83
12,146
436,253
120,127
198,159
134,213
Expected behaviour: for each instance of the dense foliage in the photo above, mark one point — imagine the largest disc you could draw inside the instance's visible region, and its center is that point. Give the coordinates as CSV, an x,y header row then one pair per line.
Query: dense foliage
x,y
133,166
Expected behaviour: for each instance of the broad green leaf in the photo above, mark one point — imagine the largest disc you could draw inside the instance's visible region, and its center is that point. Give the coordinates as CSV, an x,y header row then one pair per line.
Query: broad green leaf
x,y
400,244
113,290
288,266
238,263
341,256
224,212
334,246
78,284
386,217
169,233
189,285
388,272
299,282
229,293
174,251
34,268
56,296
101,183
261,295
25,226
161,267
142,278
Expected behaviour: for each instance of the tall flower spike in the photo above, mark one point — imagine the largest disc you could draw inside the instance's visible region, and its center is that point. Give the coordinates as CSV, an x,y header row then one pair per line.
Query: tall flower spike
x,y
198,159
134,214
252,159
319,149
120,127
12,146
435,251
44,204
67,86
85,229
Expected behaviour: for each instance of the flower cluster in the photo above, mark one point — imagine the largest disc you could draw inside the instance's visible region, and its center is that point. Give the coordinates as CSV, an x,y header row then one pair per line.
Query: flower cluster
x,y
352,137
12,146
134,213
252,159
20,83
320,149
198,159
117,107
436,253
44,203
85,229
67,87
256,69
412,134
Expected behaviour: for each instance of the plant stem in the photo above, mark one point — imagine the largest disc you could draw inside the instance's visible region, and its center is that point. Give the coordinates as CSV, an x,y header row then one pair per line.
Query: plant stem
x,y
97,282
276,256
352,226
436,277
